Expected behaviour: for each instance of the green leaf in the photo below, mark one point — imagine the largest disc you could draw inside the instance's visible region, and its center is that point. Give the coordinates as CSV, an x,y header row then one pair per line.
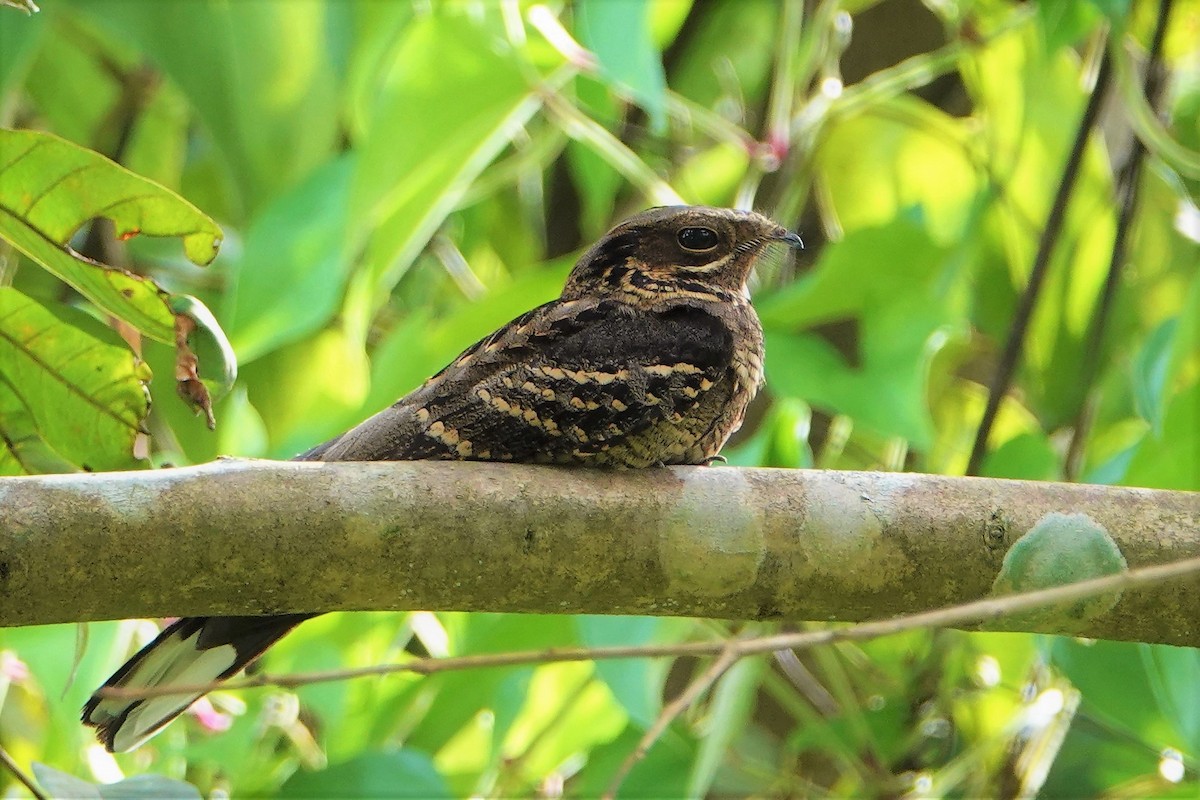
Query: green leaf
x,y
636,683
1028,141
55,187
1151,366
21,37
902,158
780,441
664,772
566,712
289,279
1174,677
461,695
265,81
900,289
722,63
1167,459
618,33
338,641
1065,22
402,773
1185,354
399,191
1115,10
66,397
732,704
139,787
1093,760
50,188
60,784
313,388
25,451
148,787
1116,689
1026,456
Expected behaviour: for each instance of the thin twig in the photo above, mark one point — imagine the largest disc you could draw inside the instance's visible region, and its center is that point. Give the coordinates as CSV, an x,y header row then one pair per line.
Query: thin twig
x,y
1127,191
7,761
975,612
729,656
1024,311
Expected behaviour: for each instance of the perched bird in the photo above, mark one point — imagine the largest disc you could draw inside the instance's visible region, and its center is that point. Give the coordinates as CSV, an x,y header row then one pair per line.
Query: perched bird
x,y
649,357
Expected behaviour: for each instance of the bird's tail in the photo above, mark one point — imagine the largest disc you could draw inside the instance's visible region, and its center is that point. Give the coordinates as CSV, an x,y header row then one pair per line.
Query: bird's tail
x,y
192,650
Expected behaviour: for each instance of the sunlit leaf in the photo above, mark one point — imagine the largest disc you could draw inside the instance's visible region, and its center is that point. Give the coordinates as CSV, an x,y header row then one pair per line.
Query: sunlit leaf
x,y
732,704
396,773
295,263
398,190
897,293
313,389
902,158
1167,459
50,188
265,80
636,683
618,33
67,396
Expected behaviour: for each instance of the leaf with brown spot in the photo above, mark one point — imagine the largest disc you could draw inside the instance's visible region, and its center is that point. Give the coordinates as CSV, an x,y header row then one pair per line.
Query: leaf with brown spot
x,y
50,188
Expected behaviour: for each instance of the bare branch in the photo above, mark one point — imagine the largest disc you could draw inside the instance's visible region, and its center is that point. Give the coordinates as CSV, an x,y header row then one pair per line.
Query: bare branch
x,y
263,537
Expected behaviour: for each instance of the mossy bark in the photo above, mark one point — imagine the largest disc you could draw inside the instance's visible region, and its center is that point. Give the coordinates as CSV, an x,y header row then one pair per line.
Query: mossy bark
x,y
255,537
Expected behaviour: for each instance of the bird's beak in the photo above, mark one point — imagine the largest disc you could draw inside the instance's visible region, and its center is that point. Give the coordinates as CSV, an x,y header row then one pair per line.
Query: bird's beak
x,y
790,239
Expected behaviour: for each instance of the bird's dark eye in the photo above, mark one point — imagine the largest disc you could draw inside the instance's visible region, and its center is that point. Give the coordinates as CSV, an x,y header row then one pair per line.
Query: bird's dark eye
x,y
697,239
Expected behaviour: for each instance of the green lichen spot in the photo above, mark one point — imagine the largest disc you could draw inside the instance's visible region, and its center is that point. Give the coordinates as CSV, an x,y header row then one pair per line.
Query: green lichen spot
x,y
1060,549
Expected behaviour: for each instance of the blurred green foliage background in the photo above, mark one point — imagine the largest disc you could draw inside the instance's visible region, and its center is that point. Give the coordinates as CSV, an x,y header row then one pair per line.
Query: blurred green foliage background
x,y
394,180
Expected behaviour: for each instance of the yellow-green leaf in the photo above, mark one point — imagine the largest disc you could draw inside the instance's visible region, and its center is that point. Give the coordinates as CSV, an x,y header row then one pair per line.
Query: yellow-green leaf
x,y
49,188
68,400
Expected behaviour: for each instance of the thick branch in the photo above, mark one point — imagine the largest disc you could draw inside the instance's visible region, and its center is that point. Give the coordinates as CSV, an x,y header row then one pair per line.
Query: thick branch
x,y
264,537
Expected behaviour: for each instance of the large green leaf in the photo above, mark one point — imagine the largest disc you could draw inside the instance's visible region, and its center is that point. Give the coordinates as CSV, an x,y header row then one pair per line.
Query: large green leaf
x,y
1118,687
400,190
618,32
56,186
67,399
1167,459
290,276
21,37
636,683
312,388
264,78
50,188
732,704
139,787
900,288
399,773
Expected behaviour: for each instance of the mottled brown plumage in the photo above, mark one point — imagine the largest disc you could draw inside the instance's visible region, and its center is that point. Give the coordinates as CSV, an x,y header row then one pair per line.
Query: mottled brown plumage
x,y
649,357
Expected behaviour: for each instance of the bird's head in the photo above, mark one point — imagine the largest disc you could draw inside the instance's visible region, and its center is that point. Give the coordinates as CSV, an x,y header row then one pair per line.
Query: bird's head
x,y
695,251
